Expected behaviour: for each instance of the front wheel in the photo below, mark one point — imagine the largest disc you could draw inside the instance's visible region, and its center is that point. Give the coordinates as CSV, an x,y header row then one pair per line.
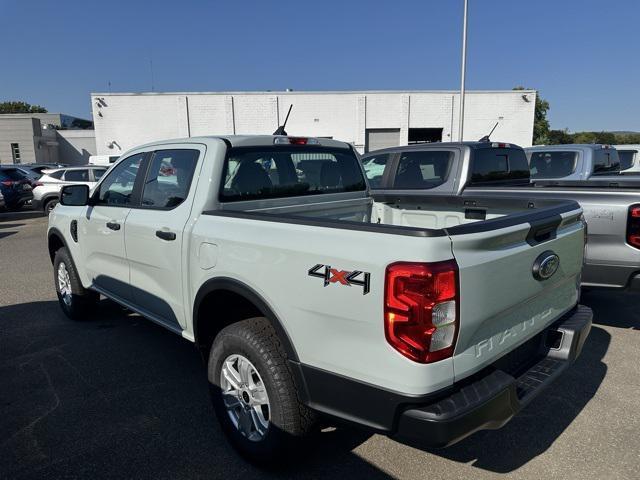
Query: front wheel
x,y
74,299
253,392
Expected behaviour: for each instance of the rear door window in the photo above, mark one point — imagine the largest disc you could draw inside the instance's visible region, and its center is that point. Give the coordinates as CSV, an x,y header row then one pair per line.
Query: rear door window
x,y
77,176
97,173
423,170
499,166
276,172
605,161
374,167
552,164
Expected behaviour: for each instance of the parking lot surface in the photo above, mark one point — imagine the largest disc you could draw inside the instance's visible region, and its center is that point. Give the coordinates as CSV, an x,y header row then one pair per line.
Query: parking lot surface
x,y
119,397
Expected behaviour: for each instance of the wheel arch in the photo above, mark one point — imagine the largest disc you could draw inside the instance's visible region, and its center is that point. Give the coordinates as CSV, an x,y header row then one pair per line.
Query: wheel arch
x,y
55,241
216,289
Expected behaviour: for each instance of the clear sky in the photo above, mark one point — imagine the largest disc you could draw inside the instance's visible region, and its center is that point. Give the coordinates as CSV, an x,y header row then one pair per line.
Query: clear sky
x,y
583,55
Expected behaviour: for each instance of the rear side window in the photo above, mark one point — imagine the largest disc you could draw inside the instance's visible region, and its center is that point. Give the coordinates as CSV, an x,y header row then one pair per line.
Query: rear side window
x,y
552,164
57,175
374,168
278,172
169,178
77,176
626,158
423,170
499,166
605,162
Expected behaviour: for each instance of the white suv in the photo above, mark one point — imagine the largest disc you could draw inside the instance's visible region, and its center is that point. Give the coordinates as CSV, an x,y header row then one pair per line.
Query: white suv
x,y
46,191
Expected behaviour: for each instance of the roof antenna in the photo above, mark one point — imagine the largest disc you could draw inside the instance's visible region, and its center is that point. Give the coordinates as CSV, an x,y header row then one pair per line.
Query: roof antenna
x,y
486,137
280,129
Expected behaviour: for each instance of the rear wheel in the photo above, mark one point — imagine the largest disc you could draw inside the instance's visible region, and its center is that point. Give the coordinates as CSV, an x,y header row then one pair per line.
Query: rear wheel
x,y
75,300
253,392
50,205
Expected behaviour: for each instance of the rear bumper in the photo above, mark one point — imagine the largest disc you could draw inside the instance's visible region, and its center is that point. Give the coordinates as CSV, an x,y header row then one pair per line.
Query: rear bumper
x,y
487,400
611,276
492,400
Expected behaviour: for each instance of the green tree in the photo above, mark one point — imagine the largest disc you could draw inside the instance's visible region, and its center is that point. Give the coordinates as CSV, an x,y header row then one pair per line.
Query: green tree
x,y
540,122
20,107
556,137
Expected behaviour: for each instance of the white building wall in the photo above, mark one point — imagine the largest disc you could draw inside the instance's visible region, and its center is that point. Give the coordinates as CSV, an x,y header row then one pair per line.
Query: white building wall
x,y
75,146
123,121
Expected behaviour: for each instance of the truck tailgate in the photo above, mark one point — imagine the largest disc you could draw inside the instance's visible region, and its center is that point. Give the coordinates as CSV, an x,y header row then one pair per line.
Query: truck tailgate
x,y
503,301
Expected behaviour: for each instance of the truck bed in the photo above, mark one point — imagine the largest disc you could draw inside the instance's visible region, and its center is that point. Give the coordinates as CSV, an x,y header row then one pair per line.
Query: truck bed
x,y
495,243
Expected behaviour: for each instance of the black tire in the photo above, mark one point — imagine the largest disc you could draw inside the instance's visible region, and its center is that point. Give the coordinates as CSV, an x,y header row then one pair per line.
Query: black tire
x,y
289,419
49,205
78,304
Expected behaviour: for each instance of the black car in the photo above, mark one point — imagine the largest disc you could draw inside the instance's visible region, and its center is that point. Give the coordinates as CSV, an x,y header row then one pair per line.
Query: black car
x,y
16,187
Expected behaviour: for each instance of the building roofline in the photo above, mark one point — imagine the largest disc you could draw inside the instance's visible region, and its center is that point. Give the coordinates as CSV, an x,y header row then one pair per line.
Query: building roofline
x,y
311,92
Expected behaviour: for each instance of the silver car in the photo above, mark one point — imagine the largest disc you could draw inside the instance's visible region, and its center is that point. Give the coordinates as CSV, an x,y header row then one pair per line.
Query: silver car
x,y
46,191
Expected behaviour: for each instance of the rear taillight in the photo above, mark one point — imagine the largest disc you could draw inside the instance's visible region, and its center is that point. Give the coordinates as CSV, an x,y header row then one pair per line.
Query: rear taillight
x,y
421,309
38,184
633,226
7,183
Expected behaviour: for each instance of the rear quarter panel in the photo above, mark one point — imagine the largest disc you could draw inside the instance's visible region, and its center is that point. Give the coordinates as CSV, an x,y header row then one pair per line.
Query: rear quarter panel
x,y
336,327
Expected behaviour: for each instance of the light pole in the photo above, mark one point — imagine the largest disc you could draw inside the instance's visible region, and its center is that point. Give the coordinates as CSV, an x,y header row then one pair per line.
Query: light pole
x,y
463,71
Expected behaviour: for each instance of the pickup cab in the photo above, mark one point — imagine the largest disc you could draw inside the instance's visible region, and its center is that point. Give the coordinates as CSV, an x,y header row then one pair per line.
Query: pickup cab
x,y
308,297
574,162
629,159
480,172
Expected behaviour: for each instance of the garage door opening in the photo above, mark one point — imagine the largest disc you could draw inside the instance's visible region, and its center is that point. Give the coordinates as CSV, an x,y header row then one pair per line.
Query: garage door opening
x,y
378,138
425,135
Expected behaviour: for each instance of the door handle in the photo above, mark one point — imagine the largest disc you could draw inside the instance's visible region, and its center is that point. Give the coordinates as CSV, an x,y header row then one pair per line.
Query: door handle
x,y
113,225
164,235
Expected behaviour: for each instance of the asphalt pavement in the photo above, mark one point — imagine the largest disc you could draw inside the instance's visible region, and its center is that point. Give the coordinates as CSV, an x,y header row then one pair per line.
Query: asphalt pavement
x,y
118,397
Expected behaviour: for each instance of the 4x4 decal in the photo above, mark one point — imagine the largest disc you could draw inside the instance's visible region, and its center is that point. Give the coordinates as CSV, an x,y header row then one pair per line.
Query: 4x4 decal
x,y
341,277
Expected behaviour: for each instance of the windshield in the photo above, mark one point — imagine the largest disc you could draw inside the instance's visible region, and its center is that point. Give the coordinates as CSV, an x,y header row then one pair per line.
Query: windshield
x,y
276,172
552,164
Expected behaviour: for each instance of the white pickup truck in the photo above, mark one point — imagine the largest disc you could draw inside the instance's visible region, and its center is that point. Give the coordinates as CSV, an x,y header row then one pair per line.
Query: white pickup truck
x,y
306,297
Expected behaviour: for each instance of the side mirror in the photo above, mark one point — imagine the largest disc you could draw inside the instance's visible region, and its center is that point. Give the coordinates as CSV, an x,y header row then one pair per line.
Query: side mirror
x,y
75,195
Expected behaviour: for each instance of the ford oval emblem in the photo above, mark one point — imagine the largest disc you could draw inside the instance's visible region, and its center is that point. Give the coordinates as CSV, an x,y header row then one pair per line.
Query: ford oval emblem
x,y
545,265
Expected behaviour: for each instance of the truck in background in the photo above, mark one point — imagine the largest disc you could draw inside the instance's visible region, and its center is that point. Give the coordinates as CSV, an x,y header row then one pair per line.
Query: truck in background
x,y
481,171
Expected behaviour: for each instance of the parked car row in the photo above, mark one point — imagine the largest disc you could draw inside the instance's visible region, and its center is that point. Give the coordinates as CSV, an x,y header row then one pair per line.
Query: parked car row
x,y
44,183
312,297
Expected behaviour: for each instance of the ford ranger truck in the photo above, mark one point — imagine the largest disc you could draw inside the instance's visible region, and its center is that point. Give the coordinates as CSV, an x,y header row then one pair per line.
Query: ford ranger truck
x,y
577,162
307,297
484,174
